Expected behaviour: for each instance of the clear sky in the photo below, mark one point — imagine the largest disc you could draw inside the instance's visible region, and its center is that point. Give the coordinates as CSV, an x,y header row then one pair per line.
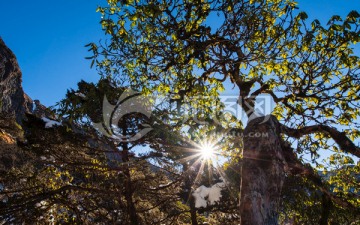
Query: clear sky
x,y
48,38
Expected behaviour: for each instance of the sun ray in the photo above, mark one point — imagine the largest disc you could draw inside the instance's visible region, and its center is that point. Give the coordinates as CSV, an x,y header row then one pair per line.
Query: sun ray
x,y
203,154
190,157
201,170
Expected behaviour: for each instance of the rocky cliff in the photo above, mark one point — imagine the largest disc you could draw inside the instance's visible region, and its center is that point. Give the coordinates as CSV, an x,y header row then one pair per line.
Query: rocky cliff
x,y
13,100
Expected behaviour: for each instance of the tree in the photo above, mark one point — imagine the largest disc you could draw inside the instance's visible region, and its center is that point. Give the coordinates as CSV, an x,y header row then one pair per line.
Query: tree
x,y
148,191
190,48
69,174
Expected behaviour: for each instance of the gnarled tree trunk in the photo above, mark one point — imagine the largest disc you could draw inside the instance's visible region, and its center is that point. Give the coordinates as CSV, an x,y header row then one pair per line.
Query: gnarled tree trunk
x,y
262,172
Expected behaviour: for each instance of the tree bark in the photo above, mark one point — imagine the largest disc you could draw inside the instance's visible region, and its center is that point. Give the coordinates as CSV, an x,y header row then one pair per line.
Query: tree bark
x,y
189,179
193,213
131,209
129,190
262,173
326,208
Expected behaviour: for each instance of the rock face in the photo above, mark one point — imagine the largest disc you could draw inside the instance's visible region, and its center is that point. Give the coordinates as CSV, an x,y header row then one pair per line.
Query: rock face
x,y
13,100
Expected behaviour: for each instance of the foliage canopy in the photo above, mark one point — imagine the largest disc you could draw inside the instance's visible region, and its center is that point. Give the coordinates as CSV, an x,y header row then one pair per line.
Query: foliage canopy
x,y
190,52
199,48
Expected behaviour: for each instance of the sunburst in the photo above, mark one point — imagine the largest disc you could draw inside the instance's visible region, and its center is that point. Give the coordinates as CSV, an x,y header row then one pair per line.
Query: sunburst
x,y
207,150
203,153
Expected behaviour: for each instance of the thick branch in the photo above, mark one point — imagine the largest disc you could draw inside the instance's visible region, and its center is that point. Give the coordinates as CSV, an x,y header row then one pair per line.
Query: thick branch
x,y
339,137
316,179
296,167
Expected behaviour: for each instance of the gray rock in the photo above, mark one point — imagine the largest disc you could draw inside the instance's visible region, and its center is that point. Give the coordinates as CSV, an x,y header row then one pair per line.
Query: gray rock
x,y
42,111
13,100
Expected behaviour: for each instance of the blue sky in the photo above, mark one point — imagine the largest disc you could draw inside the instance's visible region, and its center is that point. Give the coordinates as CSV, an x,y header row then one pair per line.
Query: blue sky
x,y
48,38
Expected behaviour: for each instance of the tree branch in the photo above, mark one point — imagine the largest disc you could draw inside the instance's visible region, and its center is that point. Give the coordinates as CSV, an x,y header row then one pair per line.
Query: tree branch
x,y
339,137
295,167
